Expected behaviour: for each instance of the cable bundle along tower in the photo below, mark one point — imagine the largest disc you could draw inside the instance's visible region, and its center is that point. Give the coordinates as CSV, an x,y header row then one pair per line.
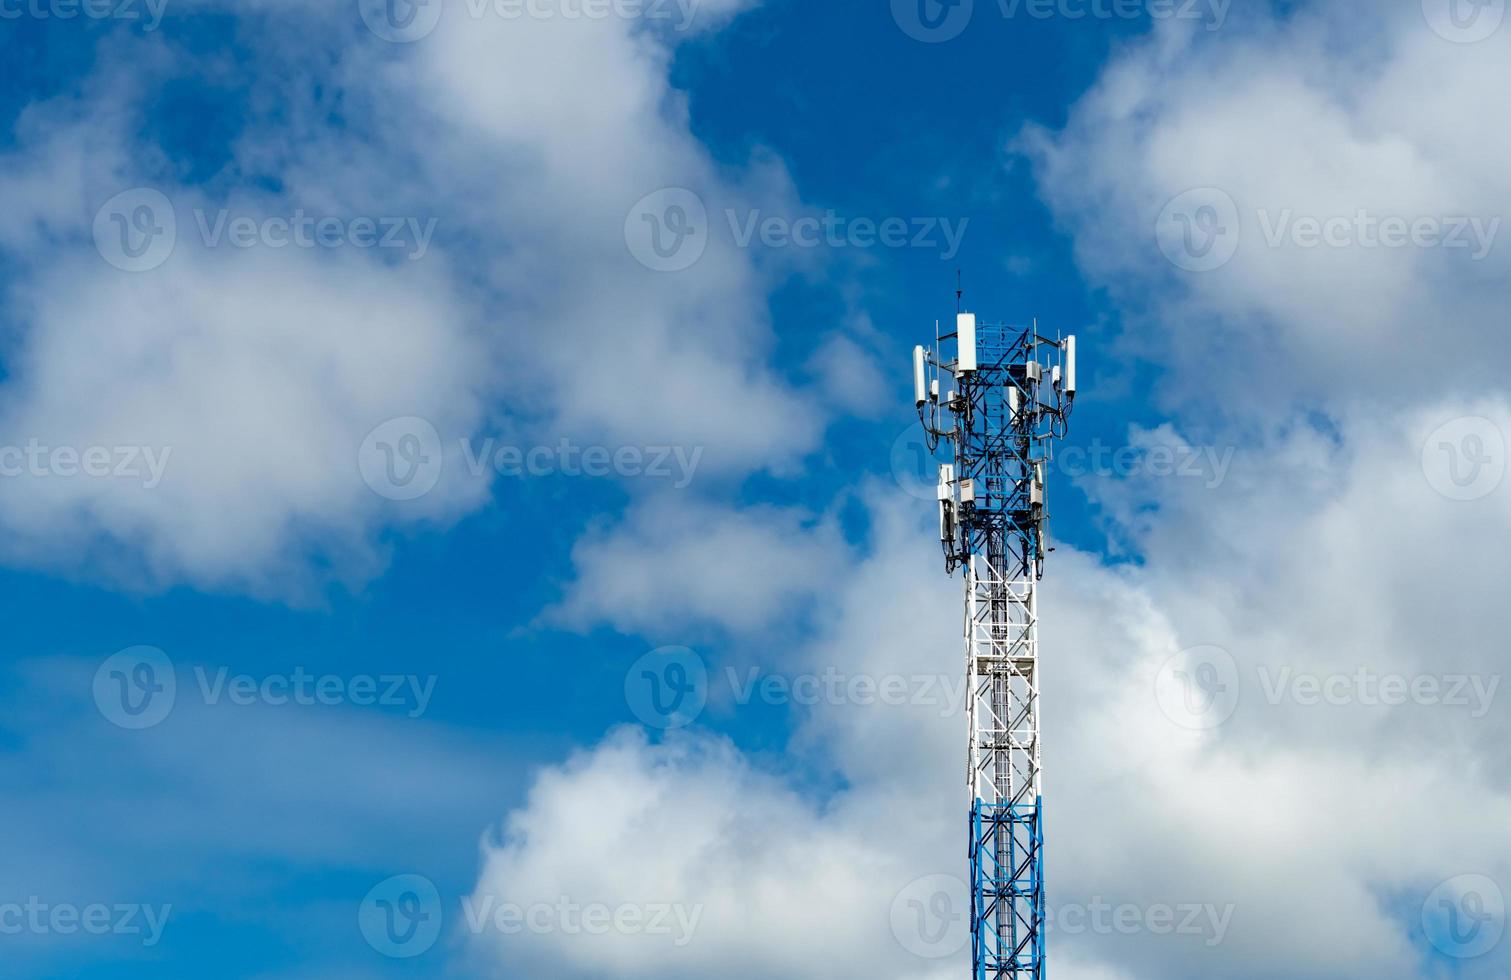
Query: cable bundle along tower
x,y
1011,396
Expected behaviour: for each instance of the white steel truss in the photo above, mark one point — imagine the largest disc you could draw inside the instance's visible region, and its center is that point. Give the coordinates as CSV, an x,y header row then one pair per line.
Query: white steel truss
x,y
1002,654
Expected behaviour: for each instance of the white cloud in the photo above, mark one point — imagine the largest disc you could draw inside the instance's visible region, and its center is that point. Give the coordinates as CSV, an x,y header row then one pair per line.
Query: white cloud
x,y
1320,116
587,137
527,141
849,373
676,563
254,398
764,883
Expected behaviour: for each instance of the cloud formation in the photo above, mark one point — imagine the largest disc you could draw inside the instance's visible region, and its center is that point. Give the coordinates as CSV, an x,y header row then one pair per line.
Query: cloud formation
x,y
509,155
1286,214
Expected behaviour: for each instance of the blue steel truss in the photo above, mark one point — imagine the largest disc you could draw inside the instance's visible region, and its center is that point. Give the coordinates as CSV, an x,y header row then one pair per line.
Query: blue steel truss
x,y
1007,890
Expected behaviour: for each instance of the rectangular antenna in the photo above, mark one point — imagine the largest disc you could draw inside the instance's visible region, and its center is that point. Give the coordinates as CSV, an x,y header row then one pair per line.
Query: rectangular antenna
x,y
965,332
1070,365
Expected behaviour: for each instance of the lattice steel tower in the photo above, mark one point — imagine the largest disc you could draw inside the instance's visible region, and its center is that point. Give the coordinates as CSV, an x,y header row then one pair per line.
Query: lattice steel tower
x,y
1011,398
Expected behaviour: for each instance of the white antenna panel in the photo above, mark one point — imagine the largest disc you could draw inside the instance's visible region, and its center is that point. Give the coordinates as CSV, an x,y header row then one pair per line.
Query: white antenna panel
x,y
965,334
1070,365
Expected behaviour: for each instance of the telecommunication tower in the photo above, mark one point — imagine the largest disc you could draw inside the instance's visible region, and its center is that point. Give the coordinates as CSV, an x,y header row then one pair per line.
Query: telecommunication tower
x,y
1010,399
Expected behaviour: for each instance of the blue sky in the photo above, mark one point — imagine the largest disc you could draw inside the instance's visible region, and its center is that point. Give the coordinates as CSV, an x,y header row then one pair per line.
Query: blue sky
x,y
1284,480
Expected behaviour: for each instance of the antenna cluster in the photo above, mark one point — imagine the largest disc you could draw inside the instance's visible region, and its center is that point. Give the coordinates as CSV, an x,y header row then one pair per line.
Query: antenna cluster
x,y
1010,394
